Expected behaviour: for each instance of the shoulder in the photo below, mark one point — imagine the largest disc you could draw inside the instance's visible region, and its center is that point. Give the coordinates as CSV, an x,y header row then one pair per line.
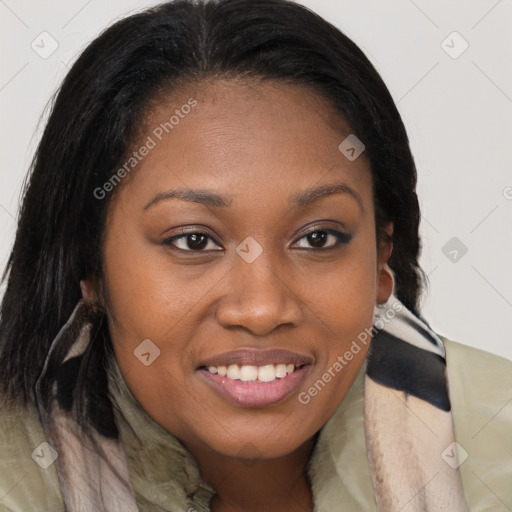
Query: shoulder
x,y
480,388
478,380
28,479
460,353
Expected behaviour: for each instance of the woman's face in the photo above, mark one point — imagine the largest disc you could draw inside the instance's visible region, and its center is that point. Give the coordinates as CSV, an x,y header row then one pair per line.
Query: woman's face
x,y
208,250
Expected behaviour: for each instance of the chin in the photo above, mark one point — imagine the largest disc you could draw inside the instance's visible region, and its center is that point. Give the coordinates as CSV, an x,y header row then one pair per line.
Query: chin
x,y
251,447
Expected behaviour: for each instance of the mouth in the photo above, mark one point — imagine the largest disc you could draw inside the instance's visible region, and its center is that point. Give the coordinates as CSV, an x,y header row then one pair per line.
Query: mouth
x,y
255,386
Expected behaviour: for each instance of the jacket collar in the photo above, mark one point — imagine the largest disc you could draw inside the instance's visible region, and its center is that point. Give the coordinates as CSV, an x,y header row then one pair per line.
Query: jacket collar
x,y
396,433
165,475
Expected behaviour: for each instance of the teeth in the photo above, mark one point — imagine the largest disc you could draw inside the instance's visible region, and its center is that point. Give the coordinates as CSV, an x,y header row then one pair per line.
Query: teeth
x,y
281,370
233,372
247,373
267,373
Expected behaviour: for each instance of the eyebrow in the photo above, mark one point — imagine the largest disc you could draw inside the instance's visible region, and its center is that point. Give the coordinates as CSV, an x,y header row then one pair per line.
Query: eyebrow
x,y
212,199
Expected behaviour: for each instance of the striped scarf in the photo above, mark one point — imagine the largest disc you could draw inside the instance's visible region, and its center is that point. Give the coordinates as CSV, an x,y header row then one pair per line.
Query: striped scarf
x,y
408,424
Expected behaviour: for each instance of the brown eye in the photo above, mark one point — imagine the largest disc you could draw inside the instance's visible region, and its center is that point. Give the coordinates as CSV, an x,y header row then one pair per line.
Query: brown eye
x,y
325,239
195,241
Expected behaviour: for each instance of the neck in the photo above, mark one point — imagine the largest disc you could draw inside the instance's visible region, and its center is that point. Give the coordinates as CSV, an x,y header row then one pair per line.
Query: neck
x,y
262,485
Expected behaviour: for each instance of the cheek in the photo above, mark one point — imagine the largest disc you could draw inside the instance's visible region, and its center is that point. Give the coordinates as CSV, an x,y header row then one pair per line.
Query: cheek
x,y
346,310
145,294
345,293
148,298
149,332
345,296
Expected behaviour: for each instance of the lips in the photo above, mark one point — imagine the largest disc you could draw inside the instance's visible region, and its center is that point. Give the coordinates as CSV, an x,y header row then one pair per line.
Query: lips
x,y
257,357
255,393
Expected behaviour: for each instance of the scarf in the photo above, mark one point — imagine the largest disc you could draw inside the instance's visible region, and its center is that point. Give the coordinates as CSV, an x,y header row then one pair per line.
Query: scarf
x,y
411,448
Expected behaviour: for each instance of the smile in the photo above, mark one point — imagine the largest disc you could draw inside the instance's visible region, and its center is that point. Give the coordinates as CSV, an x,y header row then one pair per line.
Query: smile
x,y
248,373
255,386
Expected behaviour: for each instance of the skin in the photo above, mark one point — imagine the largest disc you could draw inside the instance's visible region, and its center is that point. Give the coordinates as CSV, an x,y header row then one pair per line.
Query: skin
x,y
259,144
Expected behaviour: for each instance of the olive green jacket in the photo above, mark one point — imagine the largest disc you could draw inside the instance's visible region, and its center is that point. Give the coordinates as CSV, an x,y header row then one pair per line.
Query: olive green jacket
x,y
165,477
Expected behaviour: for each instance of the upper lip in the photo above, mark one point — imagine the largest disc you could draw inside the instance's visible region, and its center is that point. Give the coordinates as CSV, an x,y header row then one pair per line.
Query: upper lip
x,y
257,357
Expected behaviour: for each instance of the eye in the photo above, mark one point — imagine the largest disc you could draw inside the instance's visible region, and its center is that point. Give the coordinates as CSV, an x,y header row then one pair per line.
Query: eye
x,y
197,241
319,238
194,241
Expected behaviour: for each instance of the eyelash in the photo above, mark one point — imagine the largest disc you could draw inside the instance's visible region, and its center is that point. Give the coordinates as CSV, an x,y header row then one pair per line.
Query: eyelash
x,y
341,239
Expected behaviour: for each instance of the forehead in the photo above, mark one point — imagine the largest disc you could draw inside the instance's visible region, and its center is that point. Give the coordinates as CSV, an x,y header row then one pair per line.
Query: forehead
x,y
251,140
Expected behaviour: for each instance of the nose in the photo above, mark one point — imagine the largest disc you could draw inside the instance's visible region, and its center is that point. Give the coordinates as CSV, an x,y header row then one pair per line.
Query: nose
x,y
261,298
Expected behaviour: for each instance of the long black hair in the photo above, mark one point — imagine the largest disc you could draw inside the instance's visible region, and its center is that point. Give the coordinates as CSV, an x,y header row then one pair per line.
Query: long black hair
x,y
93,123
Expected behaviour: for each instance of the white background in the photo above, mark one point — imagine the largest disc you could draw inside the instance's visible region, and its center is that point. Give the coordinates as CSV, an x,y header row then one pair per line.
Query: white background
x,y
458,113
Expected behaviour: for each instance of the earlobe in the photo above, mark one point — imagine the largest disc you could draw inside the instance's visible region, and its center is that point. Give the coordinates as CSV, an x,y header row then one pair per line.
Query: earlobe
x,y
385,283
386,277
89,291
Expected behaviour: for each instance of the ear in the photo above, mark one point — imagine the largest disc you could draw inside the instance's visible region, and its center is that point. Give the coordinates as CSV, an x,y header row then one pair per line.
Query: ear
x,y
91,291
385,278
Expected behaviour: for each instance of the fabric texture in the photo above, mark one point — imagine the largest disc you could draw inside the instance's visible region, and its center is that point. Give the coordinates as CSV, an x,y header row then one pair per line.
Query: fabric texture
x,y
408,420
407,423
480,393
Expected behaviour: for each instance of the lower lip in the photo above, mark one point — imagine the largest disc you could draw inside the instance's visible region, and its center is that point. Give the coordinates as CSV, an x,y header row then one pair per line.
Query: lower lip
x,y
255,393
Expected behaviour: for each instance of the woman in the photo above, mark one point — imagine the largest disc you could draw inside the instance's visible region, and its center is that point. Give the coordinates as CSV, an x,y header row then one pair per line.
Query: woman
x,y
220,218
